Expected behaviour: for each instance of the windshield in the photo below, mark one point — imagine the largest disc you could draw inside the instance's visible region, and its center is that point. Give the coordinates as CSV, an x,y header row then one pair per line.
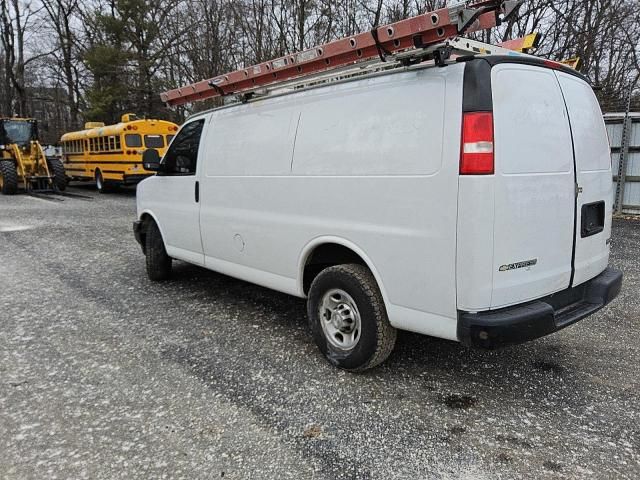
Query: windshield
x,y
153,141
133,140
17,131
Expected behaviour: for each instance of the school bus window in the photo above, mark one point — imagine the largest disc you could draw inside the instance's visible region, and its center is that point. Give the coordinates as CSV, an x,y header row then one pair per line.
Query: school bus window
x,y
153,141
118,143
169,138
133,140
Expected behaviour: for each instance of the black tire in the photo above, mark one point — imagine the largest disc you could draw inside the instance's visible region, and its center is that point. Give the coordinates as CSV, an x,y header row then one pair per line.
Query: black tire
x,y
376,337
59,176
101,185
158,262
9,175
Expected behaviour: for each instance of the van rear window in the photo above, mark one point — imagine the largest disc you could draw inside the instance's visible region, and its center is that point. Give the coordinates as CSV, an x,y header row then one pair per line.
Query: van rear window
x,y
133,140
153,141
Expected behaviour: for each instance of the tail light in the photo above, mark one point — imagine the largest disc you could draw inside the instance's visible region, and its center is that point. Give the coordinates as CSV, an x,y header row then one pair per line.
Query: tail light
x,y
476,156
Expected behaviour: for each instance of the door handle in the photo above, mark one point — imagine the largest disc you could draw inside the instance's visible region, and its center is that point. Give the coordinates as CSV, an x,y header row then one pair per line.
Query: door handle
x,y
197,191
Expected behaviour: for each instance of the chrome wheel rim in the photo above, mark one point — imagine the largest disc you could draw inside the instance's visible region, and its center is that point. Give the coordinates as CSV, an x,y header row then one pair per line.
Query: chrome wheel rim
x,y
99,181
340,319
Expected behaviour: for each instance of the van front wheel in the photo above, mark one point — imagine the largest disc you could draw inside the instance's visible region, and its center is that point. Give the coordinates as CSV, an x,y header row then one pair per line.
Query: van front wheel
x,y
158,262
348,318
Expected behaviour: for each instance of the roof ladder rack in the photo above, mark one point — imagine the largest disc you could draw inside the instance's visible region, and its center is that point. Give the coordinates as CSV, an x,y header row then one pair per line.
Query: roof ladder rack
x,y
426,30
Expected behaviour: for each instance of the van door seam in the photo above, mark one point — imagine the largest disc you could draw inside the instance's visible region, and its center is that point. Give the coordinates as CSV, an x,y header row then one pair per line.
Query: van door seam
x,y
575,185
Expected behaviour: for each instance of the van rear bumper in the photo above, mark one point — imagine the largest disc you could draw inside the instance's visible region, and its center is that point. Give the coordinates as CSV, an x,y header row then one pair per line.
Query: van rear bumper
x,y
521,323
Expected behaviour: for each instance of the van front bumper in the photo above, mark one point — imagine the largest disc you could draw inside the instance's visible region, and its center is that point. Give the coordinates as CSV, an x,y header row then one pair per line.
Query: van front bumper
x,y
135,178
521,323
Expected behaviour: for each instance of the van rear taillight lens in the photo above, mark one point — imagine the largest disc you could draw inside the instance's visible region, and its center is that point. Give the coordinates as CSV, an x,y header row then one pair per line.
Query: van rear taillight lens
x,y
476,157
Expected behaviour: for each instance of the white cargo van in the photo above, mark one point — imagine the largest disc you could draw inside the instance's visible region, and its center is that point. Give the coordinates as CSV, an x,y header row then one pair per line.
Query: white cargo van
x,y
470,202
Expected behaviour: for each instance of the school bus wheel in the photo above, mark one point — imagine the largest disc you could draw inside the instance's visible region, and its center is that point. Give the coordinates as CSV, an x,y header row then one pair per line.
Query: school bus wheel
x,y
8,177
100,182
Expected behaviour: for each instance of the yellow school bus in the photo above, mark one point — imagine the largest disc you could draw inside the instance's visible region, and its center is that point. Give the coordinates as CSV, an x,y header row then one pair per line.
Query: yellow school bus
x,y
112,155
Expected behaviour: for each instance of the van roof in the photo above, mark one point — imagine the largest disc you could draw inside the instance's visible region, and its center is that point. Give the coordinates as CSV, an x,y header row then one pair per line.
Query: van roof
x,y
334,77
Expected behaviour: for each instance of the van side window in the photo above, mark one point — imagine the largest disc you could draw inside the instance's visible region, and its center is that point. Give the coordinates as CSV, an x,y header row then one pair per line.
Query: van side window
x,y
182,156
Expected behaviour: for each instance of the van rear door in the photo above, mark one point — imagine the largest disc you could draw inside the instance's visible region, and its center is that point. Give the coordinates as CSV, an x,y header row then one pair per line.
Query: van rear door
x,y
534,185
593,175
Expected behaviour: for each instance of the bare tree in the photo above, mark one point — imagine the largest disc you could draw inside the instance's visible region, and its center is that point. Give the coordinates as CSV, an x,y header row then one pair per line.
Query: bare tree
x,y
60,14
106,56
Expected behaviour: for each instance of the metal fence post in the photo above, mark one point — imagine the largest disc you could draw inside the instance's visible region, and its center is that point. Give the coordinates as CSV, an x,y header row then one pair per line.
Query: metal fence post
x,y
624,154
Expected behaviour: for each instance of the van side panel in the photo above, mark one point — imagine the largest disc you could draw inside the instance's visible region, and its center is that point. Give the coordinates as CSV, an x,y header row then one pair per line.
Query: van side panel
x,y
593,171
535,185
367,167
474,263
391,128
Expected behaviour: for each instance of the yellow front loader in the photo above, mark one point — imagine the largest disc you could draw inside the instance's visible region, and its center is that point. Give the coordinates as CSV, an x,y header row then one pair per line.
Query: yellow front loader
x,y
23,162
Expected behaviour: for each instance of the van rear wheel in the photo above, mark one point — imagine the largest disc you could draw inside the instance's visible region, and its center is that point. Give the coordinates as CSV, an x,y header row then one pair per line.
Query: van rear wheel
x,y
157,260
348,318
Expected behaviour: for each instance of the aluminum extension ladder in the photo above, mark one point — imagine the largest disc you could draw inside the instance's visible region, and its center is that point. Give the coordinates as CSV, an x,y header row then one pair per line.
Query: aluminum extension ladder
x,y
435,32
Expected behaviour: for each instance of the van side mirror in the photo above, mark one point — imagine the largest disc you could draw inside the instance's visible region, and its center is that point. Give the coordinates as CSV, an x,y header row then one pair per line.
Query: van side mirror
x,y
151,160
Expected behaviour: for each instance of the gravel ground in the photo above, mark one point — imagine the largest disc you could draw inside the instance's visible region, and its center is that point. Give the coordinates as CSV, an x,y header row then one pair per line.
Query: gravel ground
x,y
106,375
